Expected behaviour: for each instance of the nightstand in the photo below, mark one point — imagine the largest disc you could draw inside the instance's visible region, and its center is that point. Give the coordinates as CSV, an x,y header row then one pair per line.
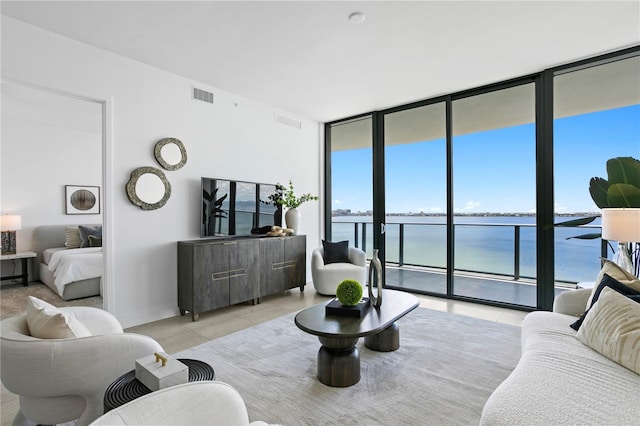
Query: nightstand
x,y
24,256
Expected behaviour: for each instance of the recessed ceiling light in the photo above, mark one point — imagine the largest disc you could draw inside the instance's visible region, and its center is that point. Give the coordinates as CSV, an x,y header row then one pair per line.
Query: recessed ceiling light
x,y
356,17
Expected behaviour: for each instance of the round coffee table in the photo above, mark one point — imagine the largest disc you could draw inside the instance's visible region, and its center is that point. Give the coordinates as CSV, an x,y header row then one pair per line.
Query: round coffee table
x,y
126,388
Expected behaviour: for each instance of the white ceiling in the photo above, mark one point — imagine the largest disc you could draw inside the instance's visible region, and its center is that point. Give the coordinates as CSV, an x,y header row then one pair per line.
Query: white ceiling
x,y
307,58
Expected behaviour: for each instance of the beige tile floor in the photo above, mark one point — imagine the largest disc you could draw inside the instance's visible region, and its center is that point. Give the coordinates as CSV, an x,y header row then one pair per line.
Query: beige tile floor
x,y
179,333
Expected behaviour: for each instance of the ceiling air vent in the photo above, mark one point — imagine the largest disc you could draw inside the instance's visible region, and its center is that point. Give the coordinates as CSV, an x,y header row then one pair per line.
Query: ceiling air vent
x,y
202,95
288,121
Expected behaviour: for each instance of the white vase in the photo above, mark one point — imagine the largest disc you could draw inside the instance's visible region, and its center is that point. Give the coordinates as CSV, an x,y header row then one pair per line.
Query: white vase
x,y
292,218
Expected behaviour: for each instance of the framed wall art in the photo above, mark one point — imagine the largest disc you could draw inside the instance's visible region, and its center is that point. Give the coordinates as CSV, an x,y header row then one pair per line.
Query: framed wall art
x,y
82,199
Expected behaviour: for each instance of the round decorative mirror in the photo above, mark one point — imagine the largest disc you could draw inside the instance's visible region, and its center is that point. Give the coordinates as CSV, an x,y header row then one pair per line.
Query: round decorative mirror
x,y
148,188
170,153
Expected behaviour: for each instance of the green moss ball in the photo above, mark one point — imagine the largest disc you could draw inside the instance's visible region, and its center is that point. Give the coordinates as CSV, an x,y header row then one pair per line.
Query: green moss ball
x,y
349,292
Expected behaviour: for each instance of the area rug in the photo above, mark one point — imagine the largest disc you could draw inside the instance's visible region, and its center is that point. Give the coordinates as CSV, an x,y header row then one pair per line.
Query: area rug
x,y
13,298
442,374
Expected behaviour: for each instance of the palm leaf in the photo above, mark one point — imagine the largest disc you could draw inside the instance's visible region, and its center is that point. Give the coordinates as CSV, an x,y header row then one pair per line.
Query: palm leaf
x,y
623,195
577,222
598,188
585,237
217,206
624,170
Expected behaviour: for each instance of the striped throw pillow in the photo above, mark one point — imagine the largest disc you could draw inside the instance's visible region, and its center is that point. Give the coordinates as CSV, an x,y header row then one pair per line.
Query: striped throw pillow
x,y
72,237
612,328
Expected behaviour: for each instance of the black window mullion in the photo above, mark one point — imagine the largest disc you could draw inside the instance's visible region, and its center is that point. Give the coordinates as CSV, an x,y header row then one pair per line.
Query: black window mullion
x,y
378,188
450,228
327,182
544,194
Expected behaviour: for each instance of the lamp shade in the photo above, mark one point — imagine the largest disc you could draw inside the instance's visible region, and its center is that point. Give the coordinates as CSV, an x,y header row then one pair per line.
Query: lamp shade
x,y
621,225
10,222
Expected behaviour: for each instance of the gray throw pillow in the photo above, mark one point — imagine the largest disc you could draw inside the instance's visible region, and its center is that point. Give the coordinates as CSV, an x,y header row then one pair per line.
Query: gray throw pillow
x,y
95,241
86,230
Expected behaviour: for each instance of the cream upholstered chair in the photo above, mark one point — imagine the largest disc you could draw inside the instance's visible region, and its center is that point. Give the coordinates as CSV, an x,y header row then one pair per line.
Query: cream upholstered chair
x,y
326,277
194,403
60,380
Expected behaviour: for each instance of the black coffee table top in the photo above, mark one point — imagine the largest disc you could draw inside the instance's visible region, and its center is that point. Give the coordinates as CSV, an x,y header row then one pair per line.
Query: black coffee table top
x,y
126,388
395,304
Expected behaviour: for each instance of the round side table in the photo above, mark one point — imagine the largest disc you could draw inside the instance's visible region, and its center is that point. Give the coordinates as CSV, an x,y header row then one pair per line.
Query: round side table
x,y
126,388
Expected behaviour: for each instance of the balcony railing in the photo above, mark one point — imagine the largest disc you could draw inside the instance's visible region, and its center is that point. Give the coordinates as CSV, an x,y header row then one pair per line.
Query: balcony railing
x,y
500,241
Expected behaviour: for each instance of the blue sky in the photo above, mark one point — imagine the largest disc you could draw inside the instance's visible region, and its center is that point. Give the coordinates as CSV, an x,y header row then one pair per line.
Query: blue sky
x,y
494,171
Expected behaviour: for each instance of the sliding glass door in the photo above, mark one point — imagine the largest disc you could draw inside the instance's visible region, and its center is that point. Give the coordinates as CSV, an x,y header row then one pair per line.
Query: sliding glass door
x,y
350,161
471,186
494,193
596,117
415,164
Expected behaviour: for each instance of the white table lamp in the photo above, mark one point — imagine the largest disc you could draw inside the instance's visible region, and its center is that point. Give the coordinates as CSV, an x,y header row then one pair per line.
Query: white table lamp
x,y
9,224
622,225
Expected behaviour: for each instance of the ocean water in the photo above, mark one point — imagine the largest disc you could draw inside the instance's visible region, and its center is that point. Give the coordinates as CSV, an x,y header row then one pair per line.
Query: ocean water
x,y
482,244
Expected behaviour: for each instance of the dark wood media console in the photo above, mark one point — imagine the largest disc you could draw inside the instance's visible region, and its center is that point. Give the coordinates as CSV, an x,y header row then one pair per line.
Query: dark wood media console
x,y
218,272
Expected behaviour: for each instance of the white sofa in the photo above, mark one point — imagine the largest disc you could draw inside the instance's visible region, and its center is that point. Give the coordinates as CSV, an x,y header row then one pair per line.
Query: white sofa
x,y
559,380
195,403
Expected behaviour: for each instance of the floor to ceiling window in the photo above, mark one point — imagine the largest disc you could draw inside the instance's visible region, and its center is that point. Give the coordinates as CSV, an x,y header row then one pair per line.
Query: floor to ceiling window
x,y
415,162
351,163
472,185
494,192
596,117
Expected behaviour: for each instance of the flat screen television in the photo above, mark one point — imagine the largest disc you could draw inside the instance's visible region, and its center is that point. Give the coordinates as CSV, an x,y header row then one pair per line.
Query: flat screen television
x,y
232,207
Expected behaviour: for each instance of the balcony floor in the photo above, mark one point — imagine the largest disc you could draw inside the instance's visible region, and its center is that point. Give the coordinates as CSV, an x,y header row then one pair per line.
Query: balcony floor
x,y
477,286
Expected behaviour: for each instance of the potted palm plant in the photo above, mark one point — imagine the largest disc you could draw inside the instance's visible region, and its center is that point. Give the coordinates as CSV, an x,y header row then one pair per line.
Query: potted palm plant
x,y
619,198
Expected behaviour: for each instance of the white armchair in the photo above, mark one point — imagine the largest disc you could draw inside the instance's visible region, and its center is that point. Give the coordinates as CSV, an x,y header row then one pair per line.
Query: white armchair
x,y
195,403
60,380
327,277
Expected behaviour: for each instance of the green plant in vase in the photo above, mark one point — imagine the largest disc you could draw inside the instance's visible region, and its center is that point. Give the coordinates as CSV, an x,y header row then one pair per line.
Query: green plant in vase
x,y
285,196
622,186
621,190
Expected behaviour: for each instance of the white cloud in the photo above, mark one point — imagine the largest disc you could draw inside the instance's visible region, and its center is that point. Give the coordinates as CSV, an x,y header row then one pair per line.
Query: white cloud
x,y
559,208
337,202
433,209
471,205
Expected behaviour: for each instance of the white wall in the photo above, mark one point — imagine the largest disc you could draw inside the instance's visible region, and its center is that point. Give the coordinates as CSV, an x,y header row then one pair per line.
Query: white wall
x,y
235,138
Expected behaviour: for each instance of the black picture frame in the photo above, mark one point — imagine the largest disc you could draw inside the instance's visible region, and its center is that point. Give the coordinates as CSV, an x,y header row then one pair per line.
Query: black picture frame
x,y
82,199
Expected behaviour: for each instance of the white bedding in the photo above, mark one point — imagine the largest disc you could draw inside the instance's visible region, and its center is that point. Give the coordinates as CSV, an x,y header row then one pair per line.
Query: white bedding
x,y
47,253
75,264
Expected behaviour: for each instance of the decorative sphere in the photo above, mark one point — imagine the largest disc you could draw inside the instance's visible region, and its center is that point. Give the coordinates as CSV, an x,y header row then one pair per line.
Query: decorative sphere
x,y
349,292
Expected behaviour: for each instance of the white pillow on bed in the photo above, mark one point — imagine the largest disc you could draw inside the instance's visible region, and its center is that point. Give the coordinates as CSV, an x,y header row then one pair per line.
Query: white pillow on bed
x,y
45,321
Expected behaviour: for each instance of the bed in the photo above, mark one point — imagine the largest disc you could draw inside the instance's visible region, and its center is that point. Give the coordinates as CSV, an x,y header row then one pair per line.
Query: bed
x,y
71,272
